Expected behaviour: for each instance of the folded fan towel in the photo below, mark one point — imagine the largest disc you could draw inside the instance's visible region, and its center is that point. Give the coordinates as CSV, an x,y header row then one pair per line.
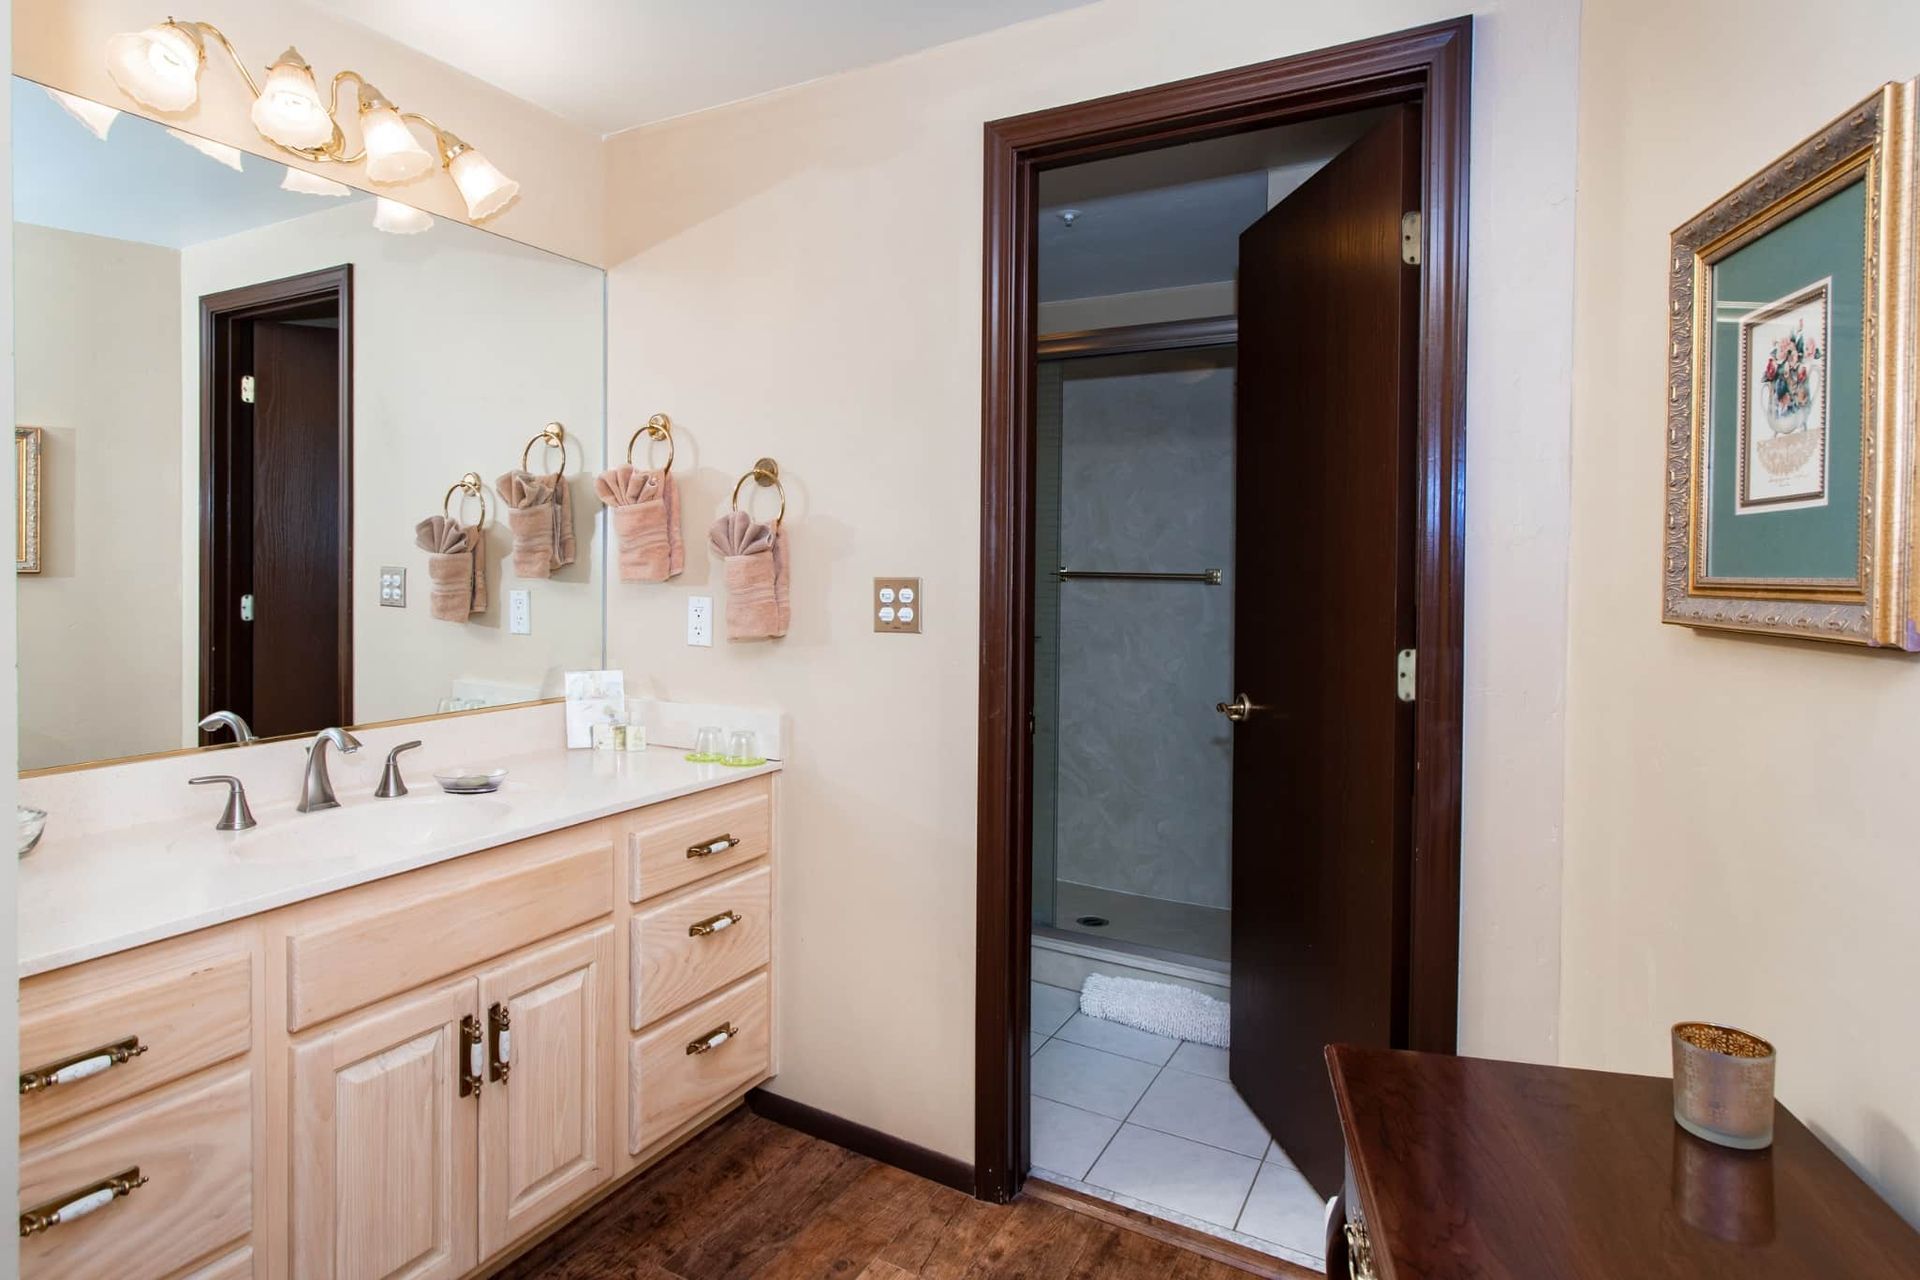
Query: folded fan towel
x,y
758,602
456,575
645,510
541,520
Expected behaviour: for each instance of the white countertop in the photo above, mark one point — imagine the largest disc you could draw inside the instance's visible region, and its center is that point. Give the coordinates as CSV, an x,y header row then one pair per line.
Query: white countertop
x,y
83,895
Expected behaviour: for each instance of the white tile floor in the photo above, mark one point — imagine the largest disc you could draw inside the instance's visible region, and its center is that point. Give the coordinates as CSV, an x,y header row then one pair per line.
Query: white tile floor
x,y
1153,1123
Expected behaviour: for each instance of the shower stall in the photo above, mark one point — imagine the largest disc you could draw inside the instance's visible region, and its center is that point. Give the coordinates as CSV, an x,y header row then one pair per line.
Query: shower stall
x,y
1133,766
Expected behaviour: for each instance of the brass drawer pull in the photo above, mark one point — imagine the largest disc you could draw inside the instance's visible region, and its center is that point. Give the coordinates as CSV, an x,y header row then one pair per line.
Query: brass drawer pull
x,y
473,1063
500,1031
713,924
80,1203
81,1065
707,848
713,1039
1359,1252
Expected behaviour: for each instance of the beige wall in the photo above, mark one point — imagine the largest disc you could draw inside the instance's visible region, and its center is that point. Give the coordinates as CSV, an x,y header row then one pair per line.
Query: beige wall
x,y
1739,838
99,371
465,346
800,276
560,166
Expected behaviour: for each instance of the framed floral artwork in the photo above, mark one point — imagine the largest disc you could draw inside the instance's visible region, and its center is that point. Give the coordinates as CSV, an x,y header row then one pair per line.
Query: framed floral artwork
x,y
1791,410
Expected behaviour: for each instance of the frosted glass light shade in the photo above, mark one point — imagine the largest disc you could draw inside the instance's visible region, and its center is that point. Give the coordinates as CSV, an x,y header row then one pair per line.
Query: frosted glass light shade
x,y
312,184
486,190
226,155
96,116
394,154
289,110
158,67
400,219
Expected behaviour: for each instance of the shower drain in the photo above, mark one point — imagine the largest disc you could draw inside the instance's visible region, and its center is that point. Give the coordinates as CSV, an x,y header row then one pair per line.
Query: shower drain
x,y
1091,922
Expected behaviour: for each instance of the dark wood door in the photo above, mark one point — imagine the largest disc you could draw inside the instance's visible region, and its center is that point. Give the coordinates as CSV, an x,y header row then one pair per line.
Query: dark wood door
x,y
298,577
1323,600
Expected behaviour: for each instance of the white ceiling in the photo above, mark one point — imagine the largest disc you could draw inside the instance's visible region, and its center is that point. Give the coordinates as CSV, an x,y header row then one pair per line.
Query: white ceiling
x,y
613,64
1160,219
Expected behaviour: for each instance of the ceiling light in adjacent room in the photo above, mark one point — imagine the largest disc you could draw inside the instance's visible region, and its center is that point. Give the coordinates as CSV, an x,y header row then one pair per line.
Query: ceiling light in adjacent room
x,y
486,190
226,155
394,154
400,219
312,184
158,67
96,117
288,110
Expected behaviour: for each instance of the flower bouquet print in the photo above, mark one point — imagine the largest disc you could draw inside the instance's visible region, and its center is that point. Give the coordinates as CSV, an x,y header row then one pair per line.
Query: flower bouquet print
x,y
1783,410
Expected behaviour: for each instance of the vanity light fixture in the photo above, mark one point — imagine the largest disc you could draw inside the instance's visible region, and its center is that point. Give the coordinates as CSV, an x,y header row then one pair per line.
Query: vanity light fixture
x,y
312,184
160,68
220,151
399,219
97,117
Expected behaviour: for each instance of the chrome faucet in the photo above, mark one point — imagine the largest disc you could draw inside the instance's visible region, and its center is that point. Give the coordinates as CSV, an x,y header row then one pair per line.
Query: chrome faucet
x,y
316,792
242,731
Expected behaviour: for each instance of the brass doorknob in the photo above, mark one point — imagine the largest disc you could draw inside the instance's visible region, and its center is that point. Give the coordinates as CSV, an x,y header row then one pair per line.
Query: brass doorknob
x,y
1237,710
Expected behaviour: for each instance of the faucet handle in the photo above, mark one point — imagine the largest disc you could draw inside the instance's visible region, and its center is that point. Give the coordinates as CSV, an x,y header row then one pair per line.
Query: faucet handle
x,y
391,783
237,816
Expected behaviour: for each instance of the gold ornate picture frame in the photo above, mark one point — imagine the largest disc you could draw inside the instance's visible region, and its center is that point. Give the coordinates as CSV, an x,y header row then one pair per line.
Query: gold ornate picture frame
x,y
26,467
1792,393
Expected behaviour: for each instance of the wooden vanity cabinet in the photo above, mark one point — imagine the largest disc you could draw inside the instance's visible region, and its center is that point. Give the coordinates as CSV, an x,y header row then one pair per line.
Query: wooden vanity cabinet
x,y
415,1077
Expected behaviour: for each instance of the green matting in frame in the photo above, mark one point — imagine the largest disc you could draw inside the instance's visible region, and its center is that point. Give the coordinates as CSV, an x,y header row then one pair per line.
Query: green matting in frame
x,y
1792,392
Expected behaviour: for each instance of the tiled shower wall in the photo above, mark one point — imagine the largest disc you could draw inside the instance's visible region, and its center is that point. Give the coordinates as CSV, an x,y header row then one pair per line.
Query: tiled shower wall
x,y
1142,803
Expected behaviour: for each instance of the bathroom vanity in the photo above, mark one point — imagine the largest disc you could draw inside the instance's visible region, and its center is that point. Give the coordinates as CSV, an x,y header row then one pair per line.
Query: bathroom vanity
x,y
398,1039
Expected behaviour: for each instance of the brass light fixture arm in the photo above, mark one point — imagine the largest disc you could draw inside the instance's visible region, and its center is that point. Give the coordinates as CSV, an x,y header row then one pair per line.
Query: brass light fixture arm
x,y
336,150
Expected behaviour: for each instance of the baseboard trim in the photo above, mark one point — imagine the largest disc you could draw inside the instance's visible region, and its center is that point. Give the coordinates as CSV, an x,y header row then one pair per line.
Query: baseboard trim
x,y
875,1145
1237,1256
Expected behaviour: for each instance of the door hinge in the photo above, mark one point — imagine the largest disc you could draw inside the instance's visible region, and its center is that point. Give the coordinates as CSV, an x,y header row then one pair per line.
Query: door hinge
x,y
246,608
246,388
1403,668
1411,227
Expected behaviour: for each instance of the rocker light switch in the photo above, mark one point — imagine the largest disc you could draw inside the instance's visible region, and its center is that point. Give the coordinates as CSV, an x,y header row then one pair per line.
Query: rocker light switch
x,y
896,605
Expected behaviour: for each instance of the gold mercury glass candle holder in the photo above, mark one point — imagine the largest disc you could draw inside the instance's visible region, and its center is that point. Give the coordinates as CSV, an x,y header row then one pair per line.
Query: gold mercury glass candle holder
x,y
1723,1085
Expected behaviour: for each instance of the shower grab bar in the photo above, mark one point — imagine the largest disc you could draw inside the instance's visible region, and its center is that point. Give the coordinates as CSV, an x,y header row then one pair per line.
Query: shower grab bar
x,y
1208,576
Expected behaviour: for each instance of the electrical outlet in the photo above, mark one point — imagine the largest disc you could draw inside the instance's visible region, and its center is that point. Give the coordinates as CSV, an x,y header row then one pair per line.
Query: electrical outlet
x,y
896,605
520,612
700,621
393,587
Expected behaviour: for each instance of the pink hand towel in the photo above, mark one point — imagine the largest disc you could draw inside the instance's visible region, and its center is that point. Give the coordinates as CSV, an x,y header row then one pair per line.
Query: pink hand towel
x,y
456,580
541,520
645,510
758,603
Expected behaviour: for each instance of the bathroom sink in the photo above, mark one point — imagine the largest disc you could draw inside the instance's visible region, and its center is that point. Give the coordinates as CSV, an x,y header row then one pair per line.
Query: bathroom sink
x,y
414,822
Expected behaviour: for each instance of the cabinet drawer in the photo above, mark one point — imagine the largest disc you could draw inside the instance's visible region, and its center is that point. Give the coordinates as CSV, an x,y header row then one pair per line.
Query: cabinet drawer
x,y
134,1022
193,1144
674,965
370,943
680,841
670,1086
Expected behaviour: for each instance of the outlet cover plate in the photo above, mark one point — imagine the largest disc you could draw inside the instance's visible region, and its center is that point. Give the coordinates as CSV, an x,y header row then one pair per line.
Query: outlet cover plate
x,y
897,605
700,621
393,587
520,612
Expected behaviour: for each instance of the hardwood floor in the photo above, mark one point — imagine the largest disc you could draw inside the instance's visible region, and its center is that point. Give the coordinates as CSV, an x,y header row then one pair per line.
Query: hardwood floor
x,y
754,1198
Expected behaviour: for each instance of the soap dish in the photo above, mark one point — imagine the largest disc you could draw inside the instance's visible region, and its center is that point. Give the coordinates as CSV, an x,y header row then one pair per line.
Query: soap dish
x,y
470,779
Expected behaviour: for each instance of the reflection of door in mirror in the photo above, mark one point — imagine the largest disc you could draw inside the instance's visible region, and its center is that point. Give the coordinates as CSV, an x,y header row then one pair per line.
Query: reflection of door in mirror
x,y
276,508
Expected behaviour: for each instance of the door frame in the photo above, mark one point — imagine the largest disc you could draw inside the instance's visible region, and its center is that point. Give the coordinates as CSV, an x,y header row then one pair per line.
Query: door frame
x,y
1430,65
220,315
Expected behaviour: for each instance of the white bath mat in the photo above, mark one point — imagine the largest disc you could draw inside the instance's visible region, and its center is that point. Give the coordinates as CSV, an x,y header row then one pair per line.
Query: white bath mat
x,y
1159,1007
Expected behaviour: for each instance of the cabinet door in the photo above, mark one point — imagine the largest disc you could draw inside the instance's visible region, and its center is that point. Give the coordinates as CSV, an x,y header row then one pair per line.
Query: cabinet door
x,y
384,1143
546,1115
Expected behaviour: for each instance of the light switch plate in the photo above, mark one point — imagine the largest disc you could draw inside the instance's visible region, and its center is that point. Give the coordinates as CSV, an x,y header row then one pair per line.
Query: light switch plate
x,y
897,605
393,587
700,621
520,612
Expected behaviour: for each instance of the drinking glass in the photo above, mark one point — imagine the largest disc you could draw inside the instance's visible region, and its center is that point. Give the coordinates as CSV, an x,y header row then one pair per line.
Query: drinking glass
x,y
706,745
740,748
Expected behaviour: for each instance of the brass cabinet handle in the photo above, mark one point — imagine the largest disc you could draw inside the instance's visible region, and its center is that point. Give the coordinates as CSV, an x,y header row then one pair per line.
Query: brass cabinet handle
x,y
81,1065
713,924
713,1039
78,1204
500,1033
707,848
472,1058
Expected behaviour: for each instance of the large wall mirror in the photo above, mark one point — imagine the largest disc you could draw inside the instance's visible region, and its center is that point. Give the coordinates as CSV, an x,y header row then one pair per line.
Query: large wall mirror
x,y
240,390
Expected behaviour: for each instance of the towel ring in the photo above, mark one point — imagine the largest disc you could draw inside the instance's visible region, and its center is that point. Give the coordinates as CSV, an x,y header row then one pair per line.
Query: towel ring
x,y
472,486
554,436
765,473
659,427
